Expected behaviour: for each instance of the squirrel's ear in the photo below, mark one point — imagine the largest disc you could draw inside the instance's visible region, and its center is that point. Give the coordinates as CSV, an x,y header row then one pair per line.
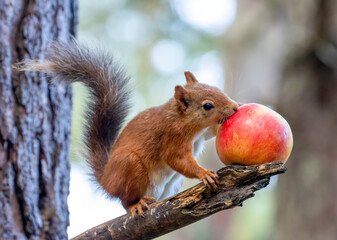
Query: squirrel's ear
x,y
190,78
180,95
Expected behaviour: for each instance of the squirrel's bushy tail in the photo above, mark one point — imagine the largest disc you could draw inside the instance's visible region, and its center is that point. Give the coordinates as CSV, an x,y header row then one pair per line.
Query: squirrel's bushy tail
x,y
109,92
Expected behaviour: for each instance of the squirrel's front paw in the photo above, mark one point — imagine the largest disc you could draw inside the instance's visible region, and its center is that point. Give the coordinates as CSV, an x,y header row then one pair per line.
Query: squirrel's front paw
x,y
210,179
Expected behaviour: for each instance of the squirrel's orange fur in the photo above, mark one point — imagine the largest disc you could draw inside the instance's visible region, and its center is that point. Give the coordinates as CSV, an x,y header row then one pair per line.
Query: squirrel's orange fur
x,y
153,146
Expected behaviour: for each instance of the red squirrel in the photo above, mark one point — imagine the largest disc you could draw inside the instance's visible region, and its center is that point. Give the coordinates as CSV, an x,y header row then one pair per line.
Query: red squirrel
x,y
149,158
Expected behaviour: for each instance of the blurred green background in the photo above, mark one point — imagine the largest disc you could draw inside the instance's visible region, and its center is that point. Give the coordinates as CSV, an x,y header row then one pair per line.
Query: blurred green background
x,y
278,53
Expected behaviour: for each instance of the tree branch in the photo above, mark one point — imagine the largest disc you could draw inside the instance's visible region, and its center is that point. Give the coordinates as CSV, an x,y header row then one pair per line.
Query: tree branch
x,y
237,183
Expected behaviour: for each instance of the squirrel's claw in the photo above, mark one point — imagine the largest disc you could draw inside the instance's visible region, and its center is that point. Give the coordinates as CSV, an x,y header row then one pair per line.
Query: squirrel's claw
x,y
211,180
138,208
133,211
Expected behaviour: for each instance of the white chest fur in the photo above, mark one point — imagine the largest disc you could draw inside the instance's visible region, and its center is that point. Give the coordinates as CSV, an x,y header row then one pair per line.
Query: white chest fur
x,y
167,182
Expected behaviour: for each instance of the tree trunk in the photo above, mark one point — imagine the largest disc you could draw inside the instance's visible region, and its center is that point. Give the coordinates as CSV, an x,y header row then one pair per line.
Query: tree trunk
x,y
286,53
307,195
35,121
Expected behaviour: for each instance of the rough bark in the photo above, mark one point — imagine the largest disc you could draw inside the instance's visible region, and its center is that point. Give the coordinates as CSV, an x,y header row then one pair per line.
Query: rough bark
x,y
35,121
237,183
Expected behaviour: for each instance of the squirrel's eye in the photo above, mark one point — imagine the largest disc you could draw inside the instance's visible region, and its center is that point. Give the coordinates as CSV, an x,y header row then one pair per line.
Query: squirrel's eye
x,y
208,106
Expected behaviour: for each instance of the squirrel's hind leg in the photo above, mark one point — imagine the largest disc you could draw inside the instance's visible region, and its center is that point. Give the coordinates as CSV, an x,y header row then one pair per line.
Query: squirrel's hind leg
x,y
126,178
139,207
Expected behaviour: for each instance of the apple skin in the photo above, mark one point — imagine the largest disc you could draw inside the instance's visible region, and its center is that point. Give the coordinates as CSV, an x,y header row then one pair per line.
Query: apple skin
x,y
255,134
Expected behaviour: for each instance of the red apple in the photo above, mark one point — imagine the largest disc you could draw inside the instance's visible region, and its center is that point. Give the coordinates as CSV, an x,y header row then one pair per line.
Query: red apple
x,y
255,134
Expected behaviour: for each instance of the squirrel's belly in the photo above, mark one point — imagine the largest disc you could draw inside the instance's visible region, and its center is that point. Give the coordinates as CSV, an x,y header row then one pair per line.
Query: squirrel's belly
x,y
158,181
173,186
166,182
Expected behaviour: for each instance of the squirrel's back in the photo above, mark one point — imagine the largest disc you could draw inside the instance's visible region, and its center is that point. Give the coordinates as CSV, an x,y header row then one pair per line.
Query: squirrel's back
x,y
109,93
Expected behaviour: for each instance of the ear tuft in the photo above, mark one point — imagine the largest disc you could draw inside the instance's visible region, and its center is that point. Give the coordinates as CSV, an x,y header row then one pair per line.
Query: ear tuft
x,y
190,78
180,95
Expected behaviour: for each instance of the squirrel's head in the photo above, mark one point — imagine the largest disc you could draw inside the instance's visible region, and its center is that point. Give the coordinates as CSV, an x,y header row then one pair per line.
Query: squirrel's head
x,y
205,105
